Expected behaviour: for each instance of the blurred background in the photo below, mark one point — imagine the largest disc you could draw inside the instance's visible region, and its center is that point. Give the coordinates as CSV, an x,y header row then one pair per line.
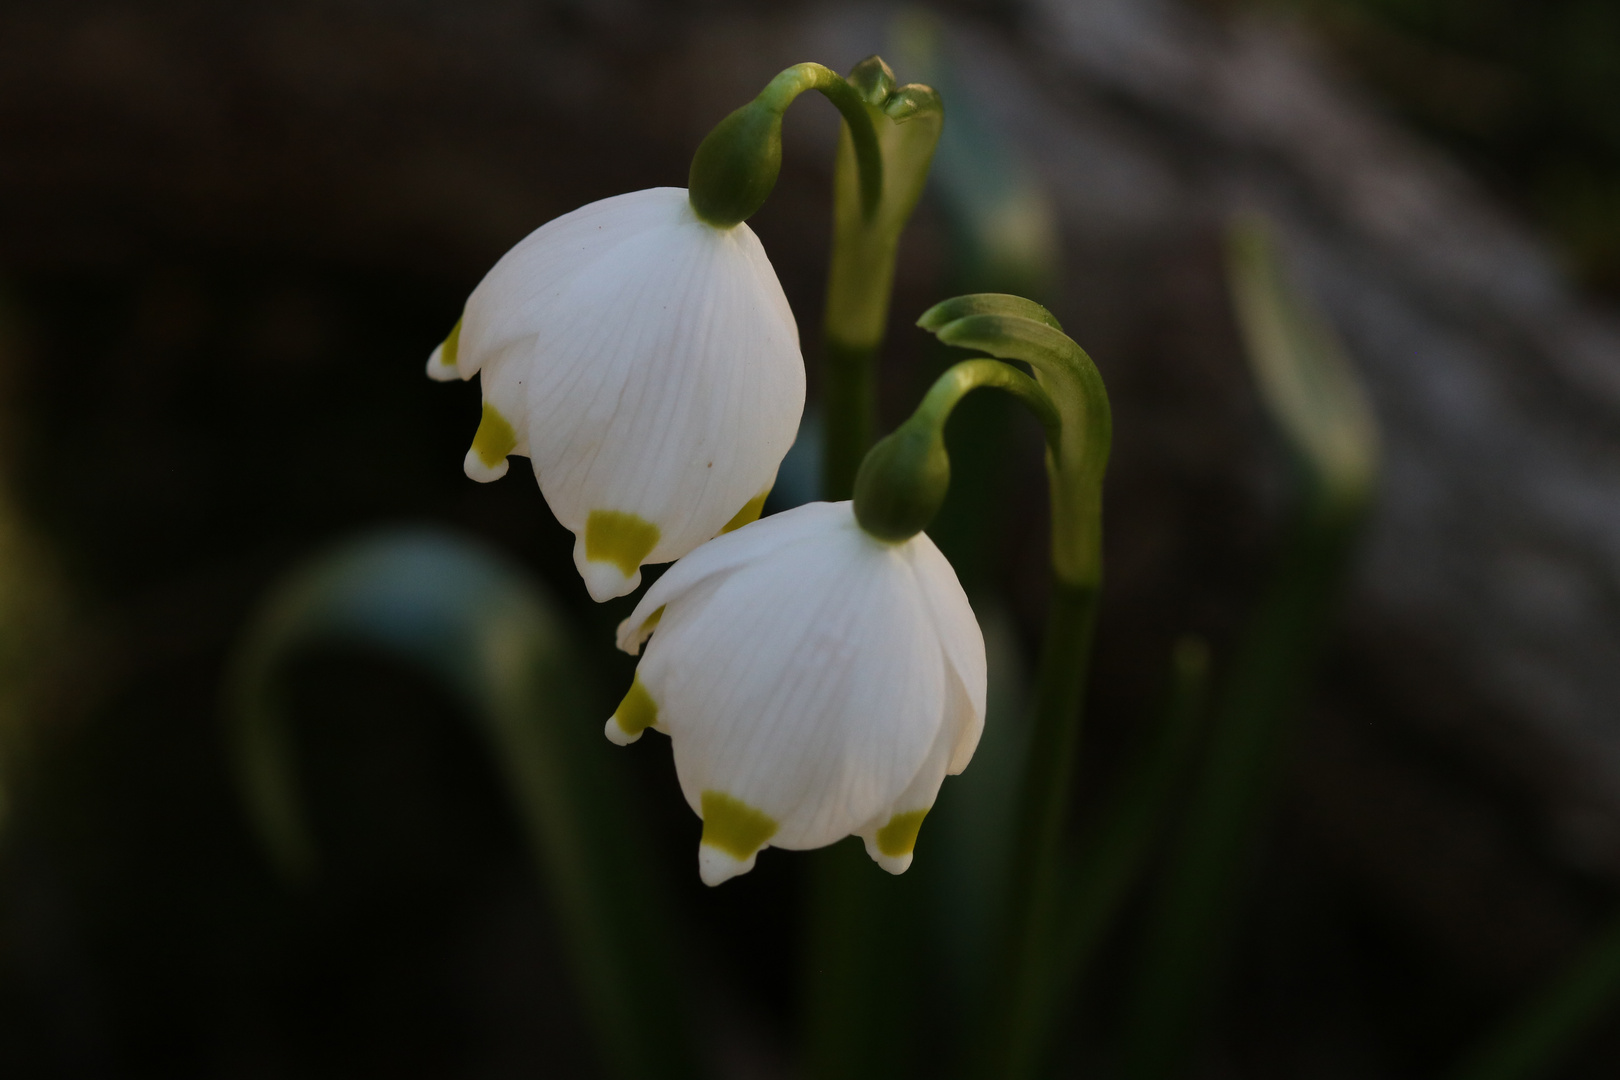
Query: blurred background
x,y
230,235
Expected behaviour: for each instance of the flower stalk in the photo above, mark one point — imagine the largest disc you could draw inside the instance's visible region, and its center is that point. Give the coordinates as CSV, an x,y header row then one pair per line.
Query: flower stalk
x,y
860,280
1012,328
737,163
1313,396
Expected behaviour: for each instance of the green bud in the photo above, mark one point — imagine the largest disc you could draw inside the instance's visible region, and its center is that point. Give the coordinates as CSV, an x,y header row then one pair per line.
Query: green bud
x,y
735,167
902,481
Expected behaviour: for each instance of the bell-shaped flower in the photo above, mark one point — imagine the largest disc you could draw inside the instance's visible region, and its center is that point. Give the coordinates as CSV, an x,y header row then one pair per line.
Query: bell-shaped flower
x,y
648,365
816,682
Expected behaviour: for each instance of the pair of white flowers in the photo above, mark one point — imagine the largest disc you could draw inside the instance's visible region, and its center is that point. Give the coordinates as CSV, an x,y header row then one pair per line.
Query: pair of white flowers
x,y
815,681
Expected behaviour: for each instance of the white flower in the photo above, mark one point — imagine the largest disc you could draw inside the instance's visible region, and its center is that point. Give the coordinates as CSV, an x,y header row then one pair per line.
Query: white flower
x,y
647,363
815,682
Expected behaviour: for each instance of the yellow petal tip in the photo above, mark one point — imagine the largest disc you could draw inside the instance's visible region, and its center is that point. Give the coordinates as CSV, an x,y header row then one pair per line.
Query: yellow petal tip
x,y
749,513
732,826
635,714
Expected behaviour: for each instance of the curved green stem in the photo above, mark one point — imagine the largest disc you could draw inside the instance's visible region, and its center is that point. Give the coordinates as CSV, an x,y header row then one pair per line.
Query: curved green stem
x,y
860,278
736,165
493,638
1012,328
904,478
969,375
1004,327
781,91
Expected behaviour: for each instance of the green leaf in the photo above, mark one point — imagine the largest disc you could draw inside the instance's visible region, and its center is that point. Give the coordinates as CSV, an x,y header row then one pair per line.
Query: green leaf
x,y
1304,377
1313,397
488,632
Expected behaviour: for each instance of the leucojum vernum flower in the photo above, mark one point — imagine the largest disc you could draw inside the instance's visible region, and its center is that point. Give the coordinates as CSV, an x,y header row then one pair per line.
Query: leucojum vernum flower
x,y
815,681
818,672
648,365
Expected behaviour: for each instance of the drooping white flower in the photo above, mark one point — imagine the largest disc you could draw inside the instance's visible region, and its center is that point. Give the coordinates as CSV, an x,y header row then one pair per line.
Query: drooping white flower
x,y
647,363
816,683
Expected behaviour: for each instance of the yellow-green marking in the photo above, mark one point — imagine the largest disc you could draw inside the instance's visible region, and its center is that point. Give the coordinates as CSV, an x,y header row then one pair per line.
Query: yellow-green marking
x,y
638,711
749,513
495,438
899,836
451,346
734,827
622,539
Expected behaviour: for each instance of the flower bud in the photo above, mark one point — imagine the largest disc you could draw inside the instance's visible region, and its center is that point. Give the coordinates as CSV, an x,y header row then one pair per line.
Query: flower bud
x,y
902,481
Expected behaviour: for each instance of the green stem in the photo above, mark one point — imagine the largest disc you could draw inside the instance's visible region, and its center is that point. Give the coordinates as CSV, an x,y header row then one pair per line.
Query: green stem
x,y
860,278
502,646
849,401
781,91
1189,931
903,481
1012,328
736,165
1310,389
1026,982
1112,856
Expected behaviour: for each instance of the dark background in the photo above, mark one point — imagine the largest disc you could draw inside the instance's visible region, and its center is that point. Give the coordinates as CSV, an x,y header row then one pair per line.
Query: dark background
x,y
229,237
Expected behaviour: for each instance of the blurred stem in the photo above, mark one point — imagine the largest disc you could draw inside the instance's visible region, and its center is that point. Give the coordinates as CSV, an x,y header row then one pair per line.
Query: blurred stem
x,y
855,932
1013,328
488,633
1532,1041
1191,921
1013,1048
1312,394
1111,858
860,279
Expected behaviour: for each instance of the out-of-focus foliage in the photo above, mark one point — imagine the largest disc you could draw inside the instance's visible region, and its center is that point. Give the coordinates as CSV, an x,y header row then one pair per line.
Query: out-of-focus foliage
x,y
1525,90
492,636
32,615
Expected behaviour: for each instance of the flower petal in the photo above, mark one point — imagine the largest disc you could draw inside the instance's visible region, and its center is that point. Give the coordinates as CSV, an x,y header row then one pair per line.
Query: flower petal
x,y
891,836
812,692
807,523
960,637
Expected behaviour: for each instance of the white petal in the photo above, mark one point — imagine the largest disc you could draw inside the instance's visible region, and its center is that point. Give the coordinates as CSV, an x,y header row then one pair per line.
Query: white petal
x,y
649,365
685,441
438,370
890,835
960,637
603,580
716,867
808,685
730,550
474,467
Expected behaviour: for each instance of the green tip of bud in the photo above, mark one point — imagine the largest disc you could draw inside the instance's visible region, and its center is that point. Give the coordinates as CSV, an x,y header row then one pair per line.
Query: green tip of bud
x,y
902,482
735,167
873,80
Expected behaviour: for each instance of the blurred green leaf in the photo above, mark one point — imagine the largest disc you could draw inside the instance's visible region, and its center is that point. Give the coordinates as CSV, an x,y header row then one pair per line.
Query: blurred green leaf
x,y
486,630
1313,397
1115,848
1305,379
